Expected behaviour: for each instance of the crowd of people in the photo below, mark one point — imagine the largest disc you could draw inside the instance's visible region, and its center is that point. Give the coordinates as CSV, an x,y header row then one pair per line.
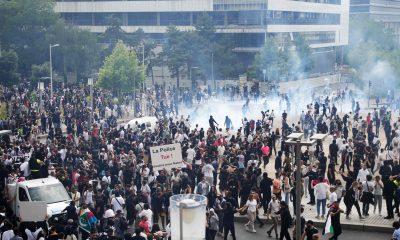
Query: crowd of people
x,y
107,168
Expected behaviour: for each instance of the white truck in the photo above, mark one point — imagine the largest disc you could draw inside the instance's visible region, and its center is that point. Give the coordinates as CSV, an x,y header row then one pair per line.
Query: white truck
x,y
38,199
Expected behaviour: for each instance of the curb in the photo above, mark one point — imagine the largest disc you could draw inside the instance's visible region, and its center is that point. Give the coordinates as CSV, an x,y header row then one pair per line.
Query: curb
x,y
345,226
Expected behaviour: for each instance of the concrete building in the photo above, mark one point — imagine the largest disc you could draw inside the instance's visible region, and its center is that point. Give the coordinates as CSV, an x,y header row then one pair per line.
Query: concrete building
x,y
385,11
323,23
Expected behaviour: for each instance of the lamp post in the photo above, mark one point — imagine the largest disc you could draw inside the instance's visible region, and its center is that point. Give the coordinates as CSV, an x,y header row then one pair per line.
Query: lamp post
x,y
297,140
264,73
90,83
369,91
143,66
51,71
212,71
40,88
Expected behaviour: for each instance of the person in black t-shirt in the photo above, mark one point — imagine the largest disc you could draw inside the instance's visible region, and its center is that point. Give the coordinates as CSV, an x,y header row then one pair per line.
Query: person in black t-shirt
x,y
265,189
309,231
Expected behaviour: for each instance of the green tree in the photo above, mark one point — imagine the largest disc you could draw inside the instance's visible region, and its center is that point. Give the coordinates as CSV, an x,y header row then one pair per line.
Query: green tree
x,y
23,27
270,59
77,53
40,71
205,27
302,62
175,53
121,72
226,63
9,68
144,47
372,52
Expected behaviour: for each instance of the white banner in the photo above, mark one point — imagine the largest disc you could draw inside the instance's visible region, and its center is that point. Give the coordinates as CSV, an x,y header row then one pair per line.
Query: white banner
x,y
166,156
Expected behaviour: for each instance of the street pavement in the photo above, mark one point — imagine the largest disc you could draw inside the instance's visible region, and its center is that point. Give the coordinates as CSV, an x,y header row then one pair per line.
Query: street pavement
x,y
242,234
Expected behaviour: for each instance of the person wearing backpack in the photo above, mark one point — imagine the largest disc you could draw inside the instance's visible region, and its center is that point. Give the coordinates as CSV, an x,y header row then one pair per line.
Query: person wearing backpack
x,y
118,202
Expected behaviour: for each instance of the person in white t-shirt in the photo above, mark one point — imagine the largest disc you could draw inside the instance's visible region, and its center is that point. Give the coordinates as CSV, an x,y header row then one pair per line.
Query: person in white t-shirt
x,y
320,190
273,208
88,196
118,203
363,173
24,167
251,205
208,171
148,213
191,153
332,196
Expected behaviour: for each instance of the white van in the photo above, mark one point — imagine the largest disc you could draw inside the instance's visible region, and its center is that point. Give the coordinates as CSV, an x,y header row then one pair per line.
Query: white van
x,y
38,198
150,123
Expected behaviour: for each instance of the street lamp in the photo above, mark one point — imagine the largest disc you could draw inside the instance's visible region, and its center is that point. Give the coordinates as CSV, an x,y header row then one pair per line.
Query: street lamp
x,y
51,71
90,83
264,73
40,88
190,76
297,140
369,91
143,67
212,71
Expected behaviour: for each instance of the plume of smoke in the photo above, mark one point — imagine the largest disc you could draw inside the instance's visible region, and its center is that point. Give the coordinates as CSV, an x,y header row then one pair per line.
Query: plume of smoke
x,y
381,76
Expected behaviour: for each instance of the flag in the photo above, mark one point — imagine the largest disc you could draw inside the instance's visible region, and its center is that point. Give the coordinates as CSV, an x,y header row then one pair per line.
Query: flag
x,y
87,220
328,230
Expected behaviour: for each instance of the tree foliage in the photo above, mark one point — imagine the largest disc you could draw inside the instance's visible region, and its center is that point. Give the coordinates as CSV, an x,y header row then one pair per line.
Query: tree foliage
x,y
174,52
121,72
292,59
23,27
40,71
370,45
29,27
9,67
301,61
200,49
270,59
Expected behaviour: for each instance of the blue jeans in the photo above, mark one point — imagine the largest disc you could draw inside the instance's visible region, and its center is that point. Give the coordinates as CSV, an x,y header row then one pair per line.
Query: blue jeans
x,y
321,202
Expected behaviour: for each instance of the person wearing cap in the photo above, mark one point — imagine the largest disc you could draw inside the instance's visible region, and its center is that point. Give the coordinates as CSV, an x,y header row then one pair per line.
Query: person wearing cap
x,y
273,208
309,231
109,212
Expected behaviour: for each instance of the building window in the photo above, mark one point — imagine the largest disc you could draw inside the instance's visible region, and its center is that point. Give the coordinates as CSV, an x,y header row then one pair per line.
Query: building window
x,y
104,19
359,9
175,18
78,18
301,18
142,19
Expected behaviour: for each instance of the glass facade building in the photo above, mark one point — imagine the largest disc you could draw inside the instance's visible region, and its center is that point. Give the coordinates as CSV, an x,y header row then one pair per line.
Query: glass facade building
x,y
324,23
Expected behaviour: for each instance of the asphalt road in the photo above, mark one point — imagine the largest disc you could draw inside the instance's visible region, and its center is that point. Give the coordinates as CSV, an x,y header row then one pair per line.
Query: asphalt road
x,y
261,234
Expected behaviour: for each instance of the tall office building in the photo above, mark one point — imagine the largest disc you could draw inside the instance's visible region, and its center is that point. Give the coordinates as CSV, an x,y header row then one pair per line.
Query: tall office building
x,y
323,23
385,11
